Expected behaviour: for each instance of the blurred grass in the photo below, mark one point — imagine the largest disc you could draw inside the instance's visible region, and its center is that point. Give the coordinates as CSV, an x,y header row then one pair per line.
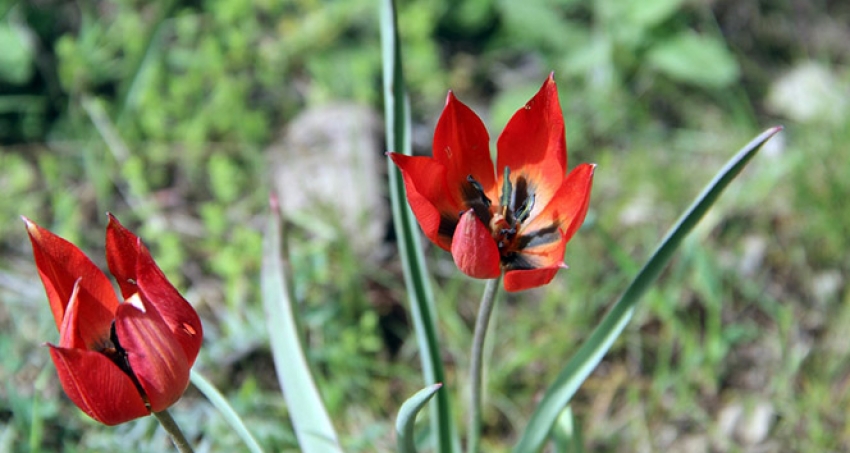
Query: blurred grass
x,y
753,311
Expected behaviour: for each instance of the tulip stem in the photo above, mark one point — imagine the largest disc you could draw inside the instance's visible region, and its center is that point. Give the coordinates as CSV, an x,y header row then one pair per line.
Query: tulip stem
x,y
488,301
174,431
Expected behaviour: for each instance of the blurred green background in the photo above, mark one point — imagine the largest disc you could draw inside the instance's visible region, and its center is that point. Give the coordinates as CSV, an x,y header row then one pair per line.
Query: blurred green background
x,y
174,114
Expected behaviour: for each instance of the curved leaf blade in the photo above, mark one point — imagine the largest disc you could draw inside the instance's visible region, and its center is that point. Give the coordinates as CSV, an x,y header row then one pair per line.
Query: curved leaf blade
x,y
407,417
580,366
312,425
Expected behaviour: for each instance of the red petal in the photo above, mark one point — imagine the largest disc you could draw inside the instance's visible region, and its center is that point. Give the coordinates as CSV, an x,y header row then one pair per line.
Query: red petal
x,y
462,145
435,208
520,280
568,207
177,312
134,268
70,335
60,265
533,144
98,386
473,248
122,255
155,356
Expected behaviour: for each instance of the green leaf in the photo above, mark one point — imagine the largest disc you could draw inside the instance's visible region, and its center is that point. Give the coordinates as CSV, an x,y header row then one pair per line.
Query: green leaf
x,y
416,277
16,56
230,416
407,417
644,15
310,420
698,60
580,366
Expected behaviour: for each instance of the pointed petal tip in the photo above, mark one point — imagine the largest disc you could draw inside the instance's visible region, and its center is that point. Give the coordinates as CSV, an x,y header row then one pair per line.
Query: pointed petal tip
x,y
274,202
112,221
28,223
450,97
35,232
395,157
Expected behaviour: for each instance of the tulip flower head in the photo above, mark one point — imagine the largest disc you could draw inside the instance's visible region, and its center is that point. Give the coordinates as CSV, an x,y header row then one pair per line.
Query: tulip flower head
x,y
117,361
515,218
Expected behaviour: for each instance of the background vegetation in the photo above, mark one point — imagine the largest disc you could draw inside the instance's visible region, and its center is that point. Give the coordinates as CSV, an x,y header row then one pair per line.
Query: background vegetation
x,y
164,113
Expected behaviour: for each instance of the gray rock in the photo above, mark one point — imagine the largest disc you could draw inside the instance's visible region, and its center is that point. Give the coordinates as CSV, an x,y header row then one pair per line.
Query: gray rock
x,y
328,171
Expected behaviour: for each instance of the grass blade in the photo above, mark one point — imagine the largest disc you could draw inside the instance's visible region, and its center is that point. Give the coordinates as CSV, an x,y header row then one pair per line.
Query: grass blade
x,y
580,366
407,417
230,416
422,308
310,420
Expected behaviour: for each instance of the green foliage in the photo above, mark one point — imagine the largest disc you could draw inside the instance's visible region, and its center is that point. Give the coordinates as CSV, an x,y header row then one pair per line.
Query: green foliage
x,y
159,112
16,61
690,58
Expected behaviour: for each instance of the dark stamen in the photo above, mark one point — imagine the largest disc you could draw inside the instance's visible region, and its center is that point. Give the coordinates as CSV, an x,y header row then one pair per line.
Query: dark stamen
x,y
507,189
480,189
525,209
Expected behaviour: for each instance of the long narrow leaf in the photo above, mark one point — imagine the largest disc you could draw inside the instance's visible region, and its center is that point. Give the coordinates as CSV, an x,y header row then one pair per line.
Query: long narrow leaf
x,y
230,416
397,119
558,395
313,427
407,417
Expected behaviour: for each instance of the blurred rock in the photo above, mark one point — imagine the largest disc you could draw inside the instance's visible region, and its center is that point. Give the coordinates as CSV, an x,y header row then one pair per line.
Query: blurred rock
x,y
748,425
690,443
752,257
826,285
328,173
810,92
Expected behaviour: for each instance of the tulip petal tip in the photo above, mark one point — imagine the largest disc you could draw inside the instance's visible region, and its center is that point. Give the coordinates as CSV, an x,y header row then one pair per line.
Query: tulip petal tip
x,y
274,202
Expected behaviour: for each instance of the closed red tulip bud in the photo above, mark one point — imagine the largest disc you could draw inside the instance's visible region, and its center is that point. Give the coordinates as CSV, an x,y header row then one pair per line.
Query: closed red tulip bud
x,y
116,360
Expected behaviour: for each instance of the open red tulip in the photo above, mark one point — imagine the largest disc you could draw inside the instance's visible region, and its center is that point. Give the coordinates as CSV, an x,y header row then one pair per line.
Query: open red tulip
x,y
515,218
116,361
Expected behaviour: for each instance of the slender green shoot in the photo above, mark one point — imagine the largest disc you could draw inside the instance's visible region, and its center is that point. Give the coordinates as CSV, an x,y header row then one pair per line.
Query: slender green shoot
x,y
476,366
180,442
416,277
230,416
405,438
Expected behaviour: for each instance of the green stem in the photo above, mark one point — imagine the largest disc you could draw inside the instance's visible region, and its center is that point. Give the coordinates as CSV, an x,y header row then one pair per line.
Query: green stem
x,y
174,431
488,301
